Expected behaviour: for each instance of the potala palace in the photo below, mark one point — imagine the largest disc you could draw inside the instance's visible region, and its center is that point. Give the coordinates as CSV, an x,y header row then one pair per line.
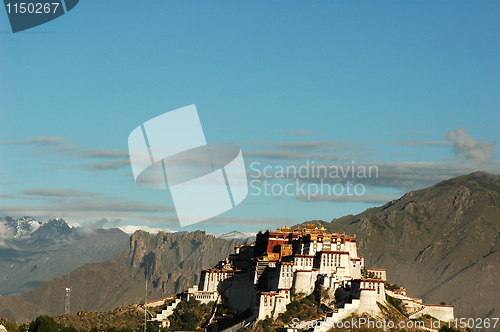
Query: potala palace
x,y
260,277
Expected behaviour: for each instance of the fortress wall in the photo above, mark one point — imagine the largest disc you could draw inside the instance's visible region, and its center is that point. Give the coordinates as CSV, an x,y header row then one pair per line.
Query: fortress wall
x,y
442,312
159,302
344,312
210,280
273,277
285,274
377,285
264,309
379,273
170,308
345,261
326,264
205,297
341,272
351,248
411,304
204,284
327,269
303,263
368,302
240,293
330,283
272,304
280,304
355,269
368,298
304,281
381,292
155,303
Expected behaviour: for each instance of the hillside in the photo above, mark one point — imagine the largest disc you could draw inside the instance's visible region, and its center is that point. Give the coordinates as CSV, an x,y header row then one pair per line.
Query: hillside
x,y
441,242
129,316
170,263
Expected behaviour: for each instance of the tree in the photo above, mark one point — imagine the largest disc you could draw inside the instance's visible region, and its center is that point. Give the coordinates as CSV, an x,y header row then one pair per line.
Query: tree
x,y
149,328
43,323
70,328
190,320
391,287
11,326
23,328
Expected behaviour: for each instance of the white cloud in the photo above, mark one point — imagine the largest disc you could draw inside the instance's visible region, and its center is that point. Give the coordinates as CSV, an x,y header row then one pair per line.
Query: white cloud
x,y
130,229
481,152
5,234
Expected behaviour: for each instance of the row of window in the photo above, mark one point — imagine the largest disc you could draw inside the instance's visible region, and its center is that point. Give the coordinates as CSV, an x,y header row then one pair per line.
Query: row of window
x,y
371,285
199,297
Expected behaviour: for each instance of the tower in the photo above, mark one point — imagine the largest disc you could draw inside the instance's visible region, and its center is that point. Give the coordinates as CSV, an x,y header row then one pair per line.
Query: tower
x,y
66,301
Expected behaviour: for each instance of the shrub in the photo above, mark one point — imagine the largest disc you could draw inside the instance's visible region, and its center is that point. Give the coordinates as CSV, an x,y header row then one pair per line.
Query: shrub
x,y
391,287
70,328
397,303
43,323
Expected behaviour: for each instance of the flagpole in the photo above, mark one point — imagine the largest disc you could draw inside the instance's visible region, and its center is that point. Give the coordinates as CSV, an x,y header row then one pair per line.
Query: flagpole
x,y
145,301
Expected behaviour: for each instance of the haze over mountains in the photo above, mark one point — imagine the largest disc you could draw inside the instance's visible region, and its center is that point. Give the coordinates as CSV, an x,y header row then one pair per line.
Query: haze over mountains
x,y
441,243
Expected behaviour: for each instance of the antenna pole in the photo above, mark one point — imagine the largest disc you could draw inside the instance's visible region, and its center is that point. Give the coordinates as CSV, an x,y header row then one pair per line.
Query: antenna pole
x,y
66,301
145,301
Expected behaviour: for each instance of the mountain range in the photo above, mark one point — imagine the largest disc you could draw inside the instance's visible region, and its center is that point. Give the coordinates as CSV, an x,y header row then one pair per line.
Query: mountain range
x,y
441,243
168,262
33,252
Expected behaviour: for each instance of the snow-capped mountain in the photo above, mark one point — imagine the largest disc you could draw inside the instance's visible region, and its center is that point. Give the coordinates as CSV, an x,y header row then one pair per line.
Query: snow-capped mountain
x,y
51,228
28,227
130,229
21,228
234,235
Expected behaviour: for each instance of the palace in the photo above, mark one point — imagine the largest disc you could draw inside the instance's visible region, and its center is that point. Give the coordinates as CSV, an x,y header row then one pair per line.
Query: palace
x,y
260,277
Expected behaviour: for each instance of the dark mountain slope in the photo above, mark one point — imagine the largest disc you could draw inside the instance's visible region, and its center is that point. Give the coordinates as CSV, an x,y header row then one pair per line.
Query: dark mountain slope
x,y
441,242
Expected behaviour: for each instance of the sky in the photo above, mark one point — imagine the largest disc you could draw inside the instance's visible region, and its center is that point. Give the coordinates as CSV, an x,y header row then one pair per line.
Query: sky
x,y
408,88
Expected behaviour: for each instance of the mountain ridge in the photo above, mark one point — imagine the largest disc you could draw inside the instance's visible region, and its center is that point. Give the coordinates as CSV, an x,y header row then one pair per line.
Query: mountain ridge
x,y
48,250
439,241
170,263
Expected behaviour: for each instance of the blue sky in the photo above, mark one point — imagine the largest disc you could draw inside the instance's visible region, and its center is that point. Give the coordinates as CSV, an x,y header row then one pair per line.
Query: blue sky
x,y
410,87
